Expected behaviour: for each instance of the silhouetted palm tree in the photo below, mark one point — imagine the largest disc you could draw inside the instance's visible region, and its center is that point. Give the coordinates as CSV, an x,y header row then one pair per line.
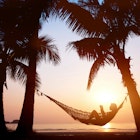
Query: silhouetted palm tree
x,y
12,66
37,49
9,60
33,12
44,47
108,44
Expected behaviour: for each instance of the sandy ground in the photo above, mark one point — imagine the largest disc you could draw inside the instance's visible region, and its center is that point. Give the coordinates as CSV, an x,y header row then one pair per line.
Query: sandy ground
x,y
75,136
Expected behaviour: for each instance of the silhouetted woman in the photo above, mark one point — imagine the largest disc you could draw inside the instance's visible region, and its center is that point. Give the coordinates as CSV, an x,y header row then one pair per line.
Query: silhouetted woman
x,y
104,115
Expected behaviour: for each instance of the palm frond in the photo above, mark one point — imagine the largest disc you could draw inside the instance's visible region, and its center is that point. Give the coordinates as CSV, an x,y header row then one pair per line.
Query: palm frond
x,y
46,49
18,71
88,48
53,55
100,61
83,25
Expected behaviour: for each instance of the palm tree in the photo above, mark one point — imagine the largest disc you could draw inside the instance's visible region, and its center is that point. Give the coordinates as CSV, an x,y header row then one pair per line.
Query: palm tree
x,y
9,61
13,47
44,46
12,66
33,11
107,45
36,49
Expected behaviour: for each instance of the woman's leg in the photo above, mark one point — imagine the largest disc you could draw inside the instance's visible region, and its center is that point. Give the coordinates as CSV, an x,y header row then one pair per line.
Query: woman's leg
x,y
94,114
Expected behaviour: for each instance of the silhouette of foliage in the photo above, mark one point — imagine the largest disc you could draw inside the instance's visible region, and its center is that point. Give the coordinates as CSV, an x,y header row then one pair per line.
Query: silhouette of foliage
x,y
121,20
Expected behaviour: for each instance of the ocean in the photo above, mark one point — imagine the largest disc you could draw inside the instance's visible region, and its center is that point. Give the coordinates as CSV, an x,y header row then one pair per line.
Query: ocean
x,y
79,127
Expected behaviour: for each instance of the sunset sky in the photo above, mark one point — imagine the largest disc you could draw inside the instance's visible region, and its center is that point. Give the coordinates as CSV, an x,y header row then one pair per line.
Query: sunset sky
x,y
67,82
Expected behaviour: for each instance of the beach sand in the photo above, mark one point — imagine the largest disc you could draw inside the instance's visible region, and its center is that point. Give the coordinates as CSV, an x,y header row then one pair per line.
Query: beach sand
x,y
75,136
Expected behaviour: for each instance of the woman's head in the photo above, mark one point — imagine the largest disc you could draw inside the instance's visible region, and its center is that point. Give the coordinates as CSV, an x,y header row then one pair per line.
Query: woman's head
x,y
113,107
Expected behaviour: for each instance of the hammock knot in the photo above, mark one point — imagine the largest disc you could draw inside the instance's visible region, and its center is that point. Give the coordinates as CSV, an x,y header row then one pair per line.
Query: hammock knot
x,y
39,93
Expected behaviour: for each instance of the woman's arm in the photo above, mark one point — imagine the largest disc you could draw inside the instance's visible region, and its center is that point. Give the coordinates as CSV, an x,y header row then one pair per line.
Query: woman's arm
x,y
102,111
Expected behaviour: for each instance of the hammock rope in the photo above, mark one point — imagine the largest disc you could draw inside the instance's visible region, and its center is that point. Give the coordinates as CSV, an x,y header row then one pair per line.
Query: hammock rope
x,y
79,115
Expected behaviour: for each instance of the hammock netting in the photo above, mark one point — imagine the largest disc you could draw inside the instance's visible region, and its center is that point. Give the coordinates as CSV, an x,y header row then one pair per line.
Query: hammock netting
x,y
82,116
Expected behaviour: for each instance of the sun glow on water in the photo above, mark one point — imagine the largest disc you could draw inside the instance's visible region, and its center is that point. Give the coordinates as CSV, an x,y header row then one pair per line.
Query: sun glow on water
x,y
107,126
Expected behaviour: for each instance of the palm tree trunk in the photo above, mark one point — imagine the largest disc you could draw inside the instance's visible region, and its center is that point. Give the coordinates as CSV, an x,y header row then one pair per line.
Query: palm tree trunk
x,y
3,128
124,67
25,124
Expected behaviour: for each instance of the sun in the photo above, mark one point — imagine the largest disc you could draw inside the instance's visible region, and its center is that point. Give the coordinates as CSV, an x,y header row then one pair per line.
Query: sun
x,y
105,96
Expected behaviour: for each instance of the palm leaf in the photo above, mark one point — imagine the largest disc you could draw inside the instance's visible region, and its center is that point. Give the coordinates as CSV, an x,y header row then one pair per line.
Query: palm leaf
x,y
18,70
87,47
46,48
83,25
94,69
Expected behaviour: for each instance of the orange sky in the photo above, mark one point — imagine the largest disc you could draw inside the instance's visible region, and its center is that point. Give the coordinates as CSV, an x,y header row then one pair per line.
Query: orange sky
x,y
67,83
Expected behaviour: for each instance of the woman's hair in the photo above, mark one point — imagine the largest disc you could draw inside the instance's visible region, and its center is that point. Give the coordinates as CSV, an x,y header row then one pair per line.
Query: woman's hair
x,y
113,106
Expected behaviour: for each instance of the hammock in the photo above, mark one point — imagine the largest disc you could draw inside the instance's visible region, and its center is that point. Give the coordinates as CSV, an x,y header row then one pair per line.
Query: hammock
x,y
83,116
